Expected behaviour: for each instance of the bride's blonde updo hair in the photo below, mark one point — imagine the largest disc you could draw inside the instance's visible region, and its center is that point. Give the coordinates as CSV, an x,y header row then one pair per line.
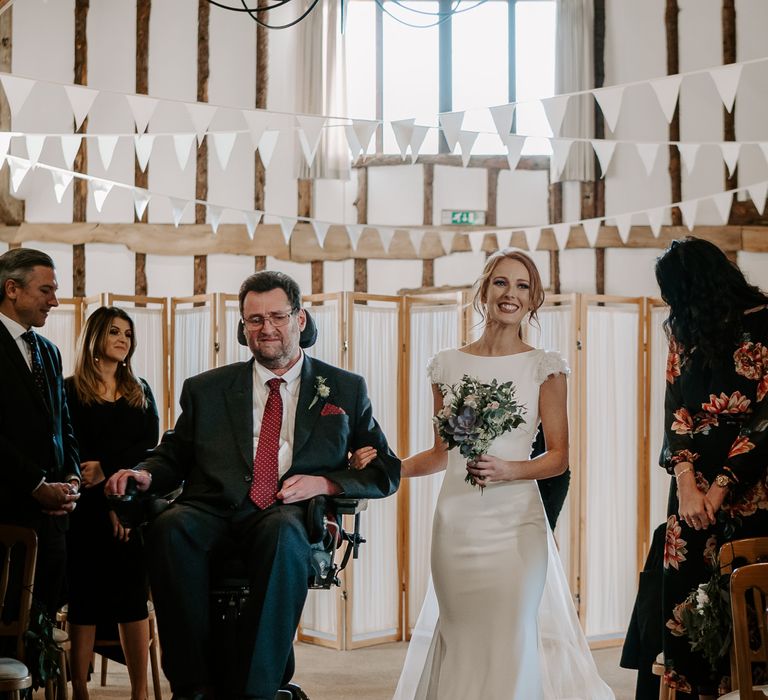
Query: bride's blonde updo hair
x,y
536,291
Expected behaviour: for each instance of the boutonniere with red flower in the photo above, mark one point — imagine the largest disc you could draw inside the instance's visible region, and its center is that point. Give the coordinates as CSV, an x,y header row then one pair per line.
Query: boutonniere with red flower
x,y
321,390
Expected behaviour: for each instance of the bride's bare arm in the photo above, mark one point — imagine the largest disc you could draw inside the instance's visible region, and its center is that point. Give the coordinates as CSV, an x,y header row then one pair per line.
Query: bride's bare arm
x,y
433,460
553,410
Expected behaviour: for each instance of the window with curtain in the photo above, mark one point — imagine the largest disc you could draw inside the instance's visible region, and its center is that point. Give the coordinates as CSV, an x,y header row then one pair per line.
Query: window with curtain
x,y
405,35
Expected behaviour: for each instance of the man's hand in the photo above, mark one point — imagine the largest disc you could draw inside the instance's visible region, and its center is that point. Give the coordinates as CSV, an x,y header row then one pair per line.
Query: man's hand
x,y
302,487
121,533
56,498
361,457
91,473
115,486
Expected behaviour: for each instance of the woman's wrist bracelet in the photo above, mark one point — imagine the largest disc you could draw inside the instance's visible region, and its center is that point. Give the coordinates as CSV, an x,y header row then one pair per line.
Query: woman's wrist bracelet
x,y
683,471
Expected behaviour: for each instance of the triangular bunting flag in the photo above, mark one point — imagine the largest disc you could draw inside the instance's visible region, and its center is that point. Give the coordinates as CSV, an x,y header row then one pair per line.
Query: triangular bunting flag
x,y
143,144
142,108
287,224
354,231
504,237
178,205
61,180
757,194
503,116
624,226
764,149
223,143
731,151
100,190
5,143
476,239
723,201
561,149
140,201
355,148
417,140
726,79
610,100
201,115
604,151
688,153
446,240
321,230
182,145
591,230
562,232
106,146
688,210
532,237
514,146
214,217
364,131
19,169
310,131
403,130
655,217
386,234
667,91
450,123
267,145
16,91
417,236
257,121
466,142
35,143
554,108
649,153
70,145
81,100
251,219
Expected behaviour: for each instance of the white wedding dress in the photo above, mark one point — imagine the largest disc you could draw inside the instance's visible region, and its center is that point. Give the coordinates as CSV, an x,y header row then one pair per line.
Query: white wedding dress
x,y
499,623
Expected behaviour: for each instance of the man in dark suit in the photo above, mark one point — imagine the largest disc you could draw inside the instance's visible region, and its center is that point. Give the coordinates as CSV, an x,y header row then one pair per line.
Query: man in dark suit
x,y
254,442
39,464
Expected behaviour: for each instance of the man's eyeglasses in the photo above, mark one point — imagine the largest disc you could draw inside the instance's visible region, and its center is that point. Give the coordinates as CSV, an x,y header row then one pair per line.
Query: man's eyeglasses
x,y
276,318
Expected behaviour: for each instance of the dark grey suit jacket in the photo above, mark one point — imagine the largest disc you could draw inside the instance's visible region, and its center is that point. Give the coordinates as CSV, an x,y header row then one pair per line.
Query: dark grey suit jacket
x,y
36,437
211,446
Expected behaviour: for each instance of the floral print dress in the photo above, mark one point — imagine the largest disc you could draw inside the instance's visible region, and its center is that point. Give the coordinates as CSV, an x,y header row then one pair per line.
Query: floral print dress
x,y
717,419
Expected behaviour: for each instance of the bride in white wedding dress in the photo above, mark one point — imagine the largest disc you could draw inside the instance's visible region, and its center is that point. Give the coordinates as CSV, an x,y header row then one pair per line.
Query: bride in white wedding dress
x,y
499,623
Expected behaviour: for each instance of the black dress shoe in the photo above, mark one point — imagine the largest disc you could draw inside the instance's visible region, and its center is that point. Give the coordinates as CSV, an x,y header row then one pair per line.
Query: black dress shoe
x,y
190,695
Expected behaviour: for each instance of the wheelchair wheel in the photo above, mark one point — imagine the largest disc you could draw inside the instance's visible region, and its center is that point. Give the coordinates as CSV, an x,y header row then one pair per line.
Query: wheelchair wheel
x,y
296,693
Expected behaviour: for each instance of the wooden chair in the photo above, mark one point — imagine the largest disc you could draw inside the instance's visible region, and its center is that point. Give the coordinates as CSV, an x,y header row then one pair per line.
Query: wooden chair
x,y
750,580
14,675
154,664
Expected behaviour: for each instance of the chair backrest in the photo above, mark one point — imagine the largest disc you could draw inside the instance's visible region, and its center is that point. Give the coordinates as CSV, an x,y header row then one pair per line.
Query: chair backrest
x,y
740,552
16,580
749,596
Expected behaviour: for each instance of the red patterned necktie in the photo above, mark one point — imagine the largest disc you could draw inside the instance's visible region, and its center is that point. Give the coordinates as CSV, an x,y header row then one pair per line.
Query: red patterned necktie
x,y
265,472
37,363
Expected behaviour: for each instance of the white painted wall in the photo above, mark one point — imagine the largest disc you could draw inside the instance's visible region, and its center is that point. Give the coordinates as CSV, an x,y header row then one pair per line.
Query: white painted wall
x,y
635,50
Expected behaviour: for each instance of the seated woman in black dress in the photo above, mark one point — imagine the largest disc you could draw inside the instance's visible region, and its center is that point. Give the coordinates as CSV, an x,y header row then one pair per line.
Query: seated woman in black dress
x,y
115,420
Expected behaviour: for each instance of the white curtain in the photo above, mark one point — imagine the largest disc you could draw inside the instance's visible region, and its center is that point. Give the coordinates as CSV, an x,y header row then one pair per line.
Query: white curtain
x,y
611,504
328,321
432,329
60,330
556,333
321,89
229,349
149,359
191,353
376,581
659,479
574,71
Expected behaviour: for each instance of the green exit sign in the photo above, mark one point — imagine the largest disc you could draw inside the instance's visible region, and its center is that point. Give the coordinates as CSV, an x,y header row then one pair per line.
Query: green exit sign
x,y
463,217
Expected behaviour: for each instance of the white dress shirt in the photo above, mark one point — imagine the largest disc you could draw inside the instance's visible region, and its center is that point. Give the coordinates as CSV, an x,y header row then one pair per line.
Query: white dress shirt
x,y
16,330
289,393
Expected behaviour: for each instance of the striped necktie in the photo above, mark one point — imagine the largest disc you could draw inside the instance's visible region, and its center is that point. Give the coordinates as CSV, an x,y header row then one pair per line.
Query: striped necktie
x,y
38,374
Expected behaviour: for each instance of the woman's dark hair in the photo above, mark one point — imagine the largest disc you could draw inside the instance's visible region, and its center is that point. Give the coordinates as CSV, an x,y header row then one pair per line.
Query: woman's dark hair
x,y
707,296
266,281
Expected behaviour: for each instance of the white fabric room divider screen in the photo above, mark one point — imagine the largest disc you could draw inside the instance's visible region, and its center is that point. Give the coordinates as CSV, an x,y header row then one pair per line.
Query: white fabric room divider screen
x,y
63,329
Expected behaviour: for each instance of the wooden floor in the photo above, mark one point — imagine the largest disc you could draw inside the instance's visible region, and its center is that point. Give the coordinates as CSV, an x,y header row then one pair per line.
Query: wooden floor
x,y
363,674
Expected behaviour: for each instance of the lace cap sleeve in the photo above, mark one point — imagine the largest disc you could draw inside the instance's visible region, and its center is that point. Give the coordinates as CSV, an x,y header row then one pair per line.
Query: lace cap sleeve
x,y
551,362
434,371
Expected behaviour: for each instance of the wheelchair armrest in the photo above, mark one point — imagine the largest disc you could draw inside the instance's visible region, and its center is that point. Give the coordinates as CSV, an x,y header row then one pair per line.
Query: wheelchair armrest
x,y
136,508
349,506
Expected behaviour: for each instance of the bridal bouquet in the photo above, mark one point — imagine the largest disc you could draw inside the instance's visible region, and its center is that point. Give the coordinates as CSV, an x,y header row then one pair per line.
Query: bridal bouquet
x,y
474,414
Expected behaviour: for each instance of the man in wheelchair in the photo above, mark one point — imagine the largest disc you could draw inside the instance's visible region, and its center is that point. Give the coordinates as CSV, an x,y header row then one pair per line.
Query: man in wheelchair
x,y
254,443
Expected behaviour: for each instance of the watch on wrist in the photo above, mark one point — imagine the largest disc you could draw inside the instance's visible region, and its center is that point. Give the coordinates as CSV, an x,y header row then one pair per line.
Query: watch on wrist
x,y
723,481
